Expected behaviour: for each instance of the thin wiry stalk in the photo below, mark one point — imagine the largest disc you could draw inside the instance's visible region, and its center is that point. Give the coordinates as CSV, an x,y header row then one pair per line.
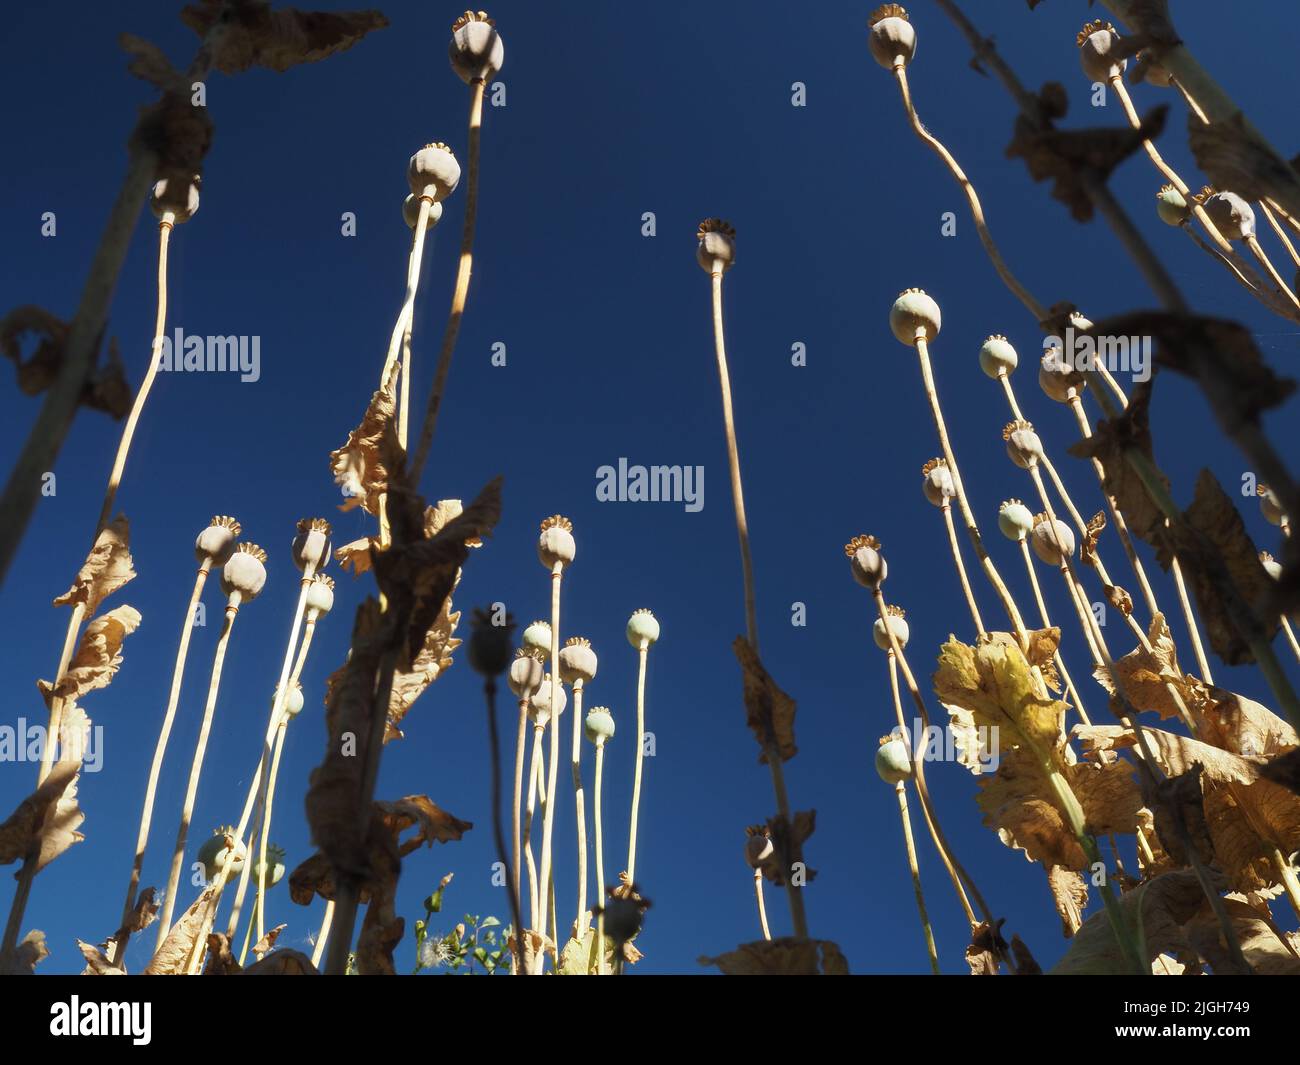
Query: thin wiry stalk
x,y
579,802
461,292
196,770
762,909
600,857
259,901
530,808
160,748
323,935
400,339
1281,233
961,569
498,836
520,742
1290,635
642,654
1047,624
797,915
915,869
553,767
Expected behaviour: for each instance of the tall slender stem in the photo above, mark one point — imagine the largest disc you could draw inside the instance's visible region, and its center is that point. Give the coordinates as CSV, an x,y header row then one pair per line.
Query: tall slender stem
x,y
530,807
915,869
579,802
642,655
961,569
322,936
762,909
553,767
498,835
520,742
1047,624
600,857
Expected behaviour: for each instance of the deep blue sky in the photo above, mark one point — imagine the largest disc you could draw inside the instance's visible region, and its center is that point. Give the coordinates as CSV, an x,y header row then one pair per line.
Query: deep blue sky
x,y
683,110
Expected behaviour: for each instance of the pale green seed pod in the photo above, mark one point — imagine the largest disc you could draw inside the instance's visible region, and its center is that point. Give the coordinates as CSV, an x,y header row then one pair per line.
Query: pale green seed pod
x,y
1098,43
1171,206
244,572
897,625
599,725
577,661
214,854
556,546
866,561
433,172
997,356
216,543
1052,551
717,245
294,701
1015,519
642,628
476,51
893,761
537,637
893,38
411,213
913,313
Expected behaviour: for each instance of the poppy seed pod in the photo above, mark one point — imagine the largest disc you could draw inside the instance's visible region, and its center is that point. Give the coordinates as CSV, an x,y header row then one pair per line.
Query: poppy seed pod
x,y
273,872
893,762
577,661
555,546
897,625
490,643
1097,43
293,702
476,51
216,543
642,628
866,561
1052,550
176,196
1171,206
717,244
758,849
320,595
537,637
411,212
599,725
1059,380
1023,445
526,673
997,356
539,703
892,40
1271,565
1015,519
214,854
1269,505
1232,216
312,544
244,572
937,483
433,172
914,313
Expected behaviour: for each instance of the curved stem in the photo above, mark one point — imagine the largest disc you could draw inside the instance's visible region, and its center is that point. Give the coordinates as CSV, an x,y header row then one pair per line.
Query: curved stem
x,y
461,292
1257,250
1290,635
961,569
400,339
600,858
530,807
642,653
910,844
196,770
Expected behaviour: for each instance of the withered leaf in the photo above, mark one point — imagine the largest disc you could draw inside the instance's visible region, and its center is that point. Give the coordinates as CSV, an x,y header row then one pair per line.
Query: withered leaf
x,y
1144,675
106,388
107,568
1234,156
263,946
1070,892
532,956
1092,533
98,657
255,35
363,466
1180,821
986,947
282,962
45,823
219,961
432,824
1119,599
1243,726
786,956
313,877
24,958
97,963
432,660
1026,965
1264,946
142,915
787,846
150,63
172,957
769,711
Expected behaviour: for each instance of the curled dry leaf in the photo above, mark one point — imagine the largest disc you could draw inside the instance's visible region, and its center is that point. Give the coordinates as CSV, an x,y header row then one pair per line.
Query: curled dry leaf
x,y
432,824
432,660
313,877
149,63
1091,534
1119,598
142,915
45,823
283,962
106,388
768,710
1144,675
1180,822
786,956
97,963
1266,948
986,947
24,958
1234,156
98,656
1070,893
219,961
106,569
254,35
264,945
536,945
1026,965
1245,727
364,466
174,954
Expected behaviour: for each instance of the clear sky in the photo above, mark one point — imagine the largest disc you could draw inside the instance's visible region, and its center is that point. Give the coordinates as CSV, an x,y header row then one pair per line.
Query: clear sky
x,y
683,110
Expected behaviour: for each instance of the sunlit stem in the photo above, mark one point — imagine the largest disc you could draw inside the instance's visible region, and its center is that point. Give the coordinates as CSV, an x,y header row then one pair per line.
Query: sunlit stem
x,y
901,792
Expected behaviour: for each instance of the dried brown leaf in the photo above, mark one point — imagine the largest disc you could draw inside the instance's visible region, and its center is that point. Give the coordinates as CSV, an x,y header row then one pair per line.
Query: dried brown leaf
x,y
150,63
1092,533
98,657
282,962
172,957
1234,156
1144,674
263,946
24,958
536,945
1070,892
787,846
363,467
786,956
769,711
219,961
986,947
97,963
106,388
45,823
432,824
107,568
255,35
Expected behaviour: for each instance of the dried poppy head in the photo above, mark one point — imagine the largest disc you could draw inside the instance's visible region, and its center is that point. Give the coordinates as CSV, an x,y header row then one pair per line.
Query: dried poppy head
x,y
1232,216
914,314
1015,519
892,40
539,703
1023,445
1171,206
577,661
320,595
599,725
1057,378
433,172
555,546
312,544
758,845
489,643
244,572
1052,541
937,483
1271,565
893,761
177,196
411,212
216,543
526,673
642,628
477,51
997,356
717,245
866,561
294,700
897,625
1269,505
1097,43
